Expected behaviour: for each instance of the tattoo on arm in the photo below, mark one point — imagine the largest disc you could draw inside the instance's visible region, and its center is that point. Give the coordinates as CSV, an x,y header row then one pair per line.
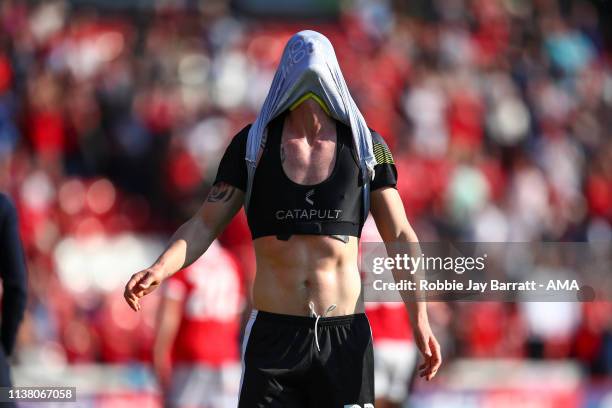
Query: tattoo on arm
x,y
221,192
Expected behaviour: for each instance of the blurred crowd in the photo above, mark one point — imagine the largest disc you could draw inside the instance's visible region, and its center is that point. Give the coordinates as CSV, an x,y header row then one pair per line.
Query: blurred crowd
x,y
498,113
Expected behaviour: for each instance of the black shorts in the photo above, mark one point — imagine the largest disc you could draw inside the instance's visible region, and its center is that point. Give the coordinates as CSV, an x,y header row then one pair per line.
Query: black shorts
x,y
282,366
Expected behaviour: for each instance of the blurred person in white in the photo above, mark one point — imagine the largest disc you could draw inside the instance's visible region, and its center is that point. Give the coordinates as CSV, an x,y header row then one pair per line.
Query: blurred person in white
x,y
425,105
550,336
196,356
529,209
14,286
308,343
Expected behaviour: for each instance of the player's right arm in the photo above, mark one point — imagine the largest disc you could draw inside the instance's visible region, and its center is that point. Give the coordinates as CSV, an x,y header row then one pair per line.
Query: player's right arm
x,y
194,237
189,242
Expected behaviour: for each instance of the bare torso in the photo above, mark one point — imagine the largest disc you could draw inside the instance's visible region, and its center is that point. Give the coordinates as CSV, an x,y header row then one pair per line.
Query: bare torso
x,y
306,268
290,274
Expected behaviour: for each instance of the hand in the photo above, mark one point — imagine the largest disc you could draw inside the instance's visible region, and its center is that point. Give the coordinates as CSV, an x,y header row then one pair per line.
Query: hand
x,y
429,348
140,284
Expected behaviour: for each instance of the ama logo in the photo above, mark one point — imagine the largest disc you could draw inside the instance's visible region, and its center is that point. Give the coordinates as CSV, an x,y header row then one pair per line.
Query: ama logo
x,y
359,406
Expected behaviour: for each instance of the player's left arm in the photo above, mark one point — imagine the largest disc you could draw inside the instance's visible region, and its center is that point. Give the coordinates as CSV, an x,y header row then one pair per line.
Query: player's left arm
x,y
388,212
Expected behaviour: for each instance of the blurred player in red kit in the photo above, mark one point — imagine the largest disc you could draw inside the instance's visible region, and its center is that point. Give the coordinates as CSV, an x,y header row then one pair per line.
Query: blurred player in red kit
x,y
395,354
196,353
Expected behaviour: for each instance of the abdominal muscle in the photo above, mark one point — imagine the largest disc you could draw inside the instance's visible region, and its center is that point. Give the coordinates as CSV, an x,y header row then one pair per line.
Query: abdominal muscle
x,y
307,268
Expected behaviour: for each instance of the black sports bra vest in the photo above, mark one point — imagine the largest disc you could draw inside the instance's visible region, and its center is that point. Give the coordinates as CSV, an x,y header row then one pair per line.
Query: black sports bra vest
x,y
281,207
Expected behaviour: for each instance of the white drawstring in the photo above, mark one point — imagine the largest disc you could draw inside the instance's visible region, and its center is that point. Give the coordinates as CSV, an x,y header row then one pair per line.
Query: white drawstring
x,y
314,314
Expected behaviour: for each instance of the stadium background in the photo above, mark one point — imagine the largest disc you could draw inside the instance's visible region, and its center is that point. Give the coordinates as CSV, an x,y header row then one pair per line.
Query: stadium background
x,y
113,119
